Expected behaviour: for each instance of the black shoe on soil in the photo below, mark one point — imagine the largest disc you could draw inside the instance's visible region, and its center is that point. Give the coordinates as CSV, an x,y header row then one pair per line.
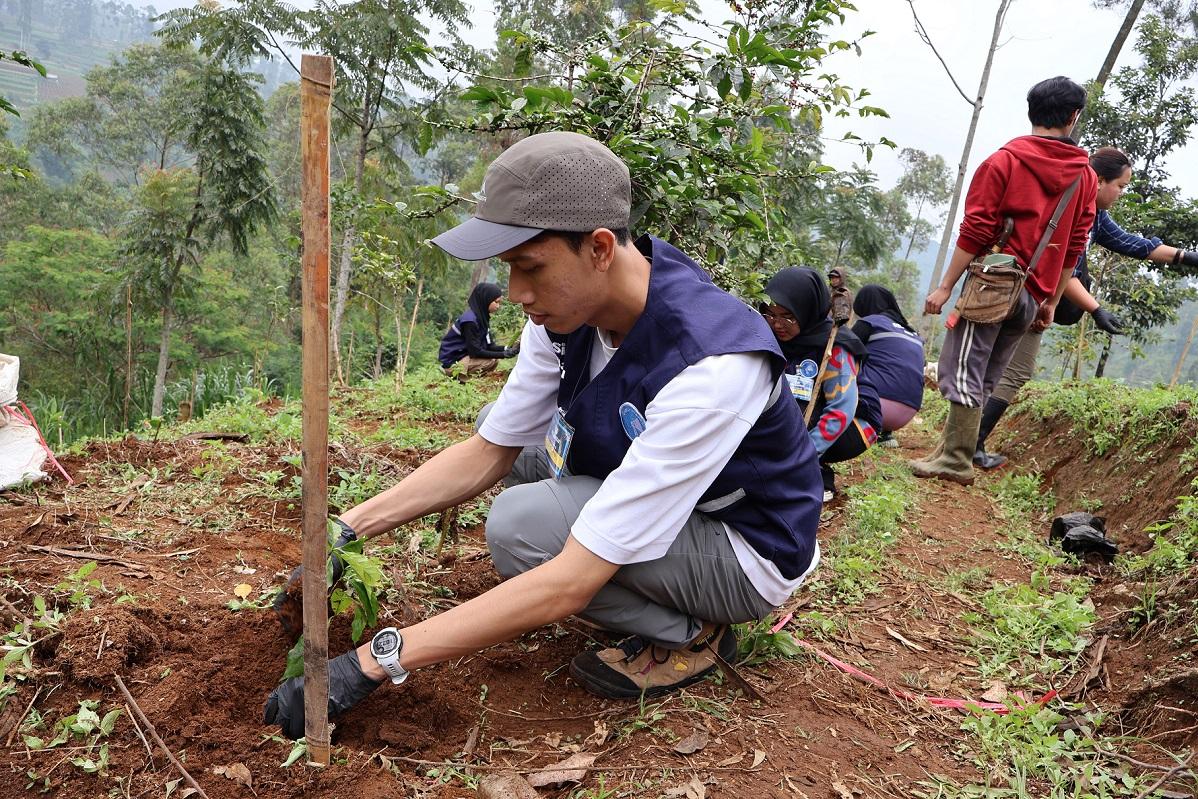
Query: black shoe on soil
x,y
635,667
988,460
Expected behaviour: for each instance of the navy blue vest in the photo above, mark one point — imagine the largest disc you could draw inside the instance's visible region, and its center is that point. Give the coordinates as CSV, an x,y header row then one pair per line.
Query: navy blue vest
x,y
770,491
453,346
895,362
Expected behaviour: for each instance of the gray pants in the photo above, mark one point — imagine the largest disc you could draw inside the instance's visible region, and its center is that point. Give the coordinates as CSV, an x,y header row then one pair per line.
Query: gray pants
x,y
664,600
1021,368
974,356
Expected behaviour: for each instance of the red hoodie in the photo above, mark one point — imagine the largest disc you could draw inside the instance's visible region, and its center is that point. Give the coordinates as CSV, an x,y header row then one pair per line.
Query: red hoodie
x,y
1025,180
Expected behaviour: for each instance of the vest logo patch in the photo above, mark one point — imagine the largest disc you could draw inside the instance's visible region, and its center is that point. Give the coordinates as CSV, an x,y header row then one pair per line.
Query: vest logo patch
x,y
631,420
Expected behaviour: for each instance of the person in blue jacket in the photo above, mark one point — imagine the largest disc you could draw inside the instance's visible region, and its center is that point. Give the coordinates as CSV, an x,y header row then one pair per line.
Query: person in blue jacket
x,y
675,493
896,357
1113,168
848,411
468,343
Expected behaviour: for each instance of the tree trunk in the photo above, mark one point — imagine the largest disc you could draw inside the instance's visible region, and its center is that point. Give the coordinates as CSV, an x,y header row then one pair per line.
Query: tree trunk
x,y
1081,348
1106,353
1184,353
128,353
914,227
930,327
1108,65
407,350
345,269
164,355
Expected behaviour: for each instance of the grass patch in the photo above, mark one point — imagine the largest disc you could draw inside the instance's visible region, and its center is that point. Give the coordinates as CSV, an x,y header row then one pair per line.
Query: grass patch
x,y
1174,543
1029,629
1113,416
876,508
1026,754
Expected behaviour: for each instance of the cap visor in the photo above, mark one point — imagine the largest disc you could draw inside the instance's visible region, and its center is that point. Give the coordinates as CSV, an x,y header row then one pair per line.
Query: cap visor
x,y
477,239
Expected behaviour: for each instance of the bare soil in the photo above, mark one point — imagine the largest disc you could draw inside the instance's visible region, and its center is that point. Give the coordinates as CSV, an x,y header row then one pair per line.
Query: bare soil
x,y
202,672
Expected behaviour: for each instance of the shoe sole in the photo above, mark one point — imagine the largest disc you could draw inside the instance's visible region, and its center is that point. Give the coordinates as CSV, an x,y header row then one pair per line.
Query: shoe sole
x,y
613,690
607,690
965,481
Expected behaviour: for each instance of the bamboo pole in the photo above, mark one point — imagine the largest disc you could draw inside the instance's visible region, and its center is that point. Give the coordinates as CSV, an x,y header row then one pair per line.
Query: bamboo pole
x,y
316,88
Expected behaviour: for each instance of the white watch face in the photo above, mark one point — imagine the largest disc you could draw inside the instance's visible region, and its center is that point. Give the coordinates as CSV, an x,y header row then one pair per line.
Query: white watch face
x,y
384,643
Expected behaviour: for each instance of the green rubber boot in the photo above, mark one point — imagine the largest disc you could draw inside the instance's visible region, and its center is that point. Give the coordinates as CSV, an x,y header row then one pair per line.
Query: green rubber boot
x,y
953,459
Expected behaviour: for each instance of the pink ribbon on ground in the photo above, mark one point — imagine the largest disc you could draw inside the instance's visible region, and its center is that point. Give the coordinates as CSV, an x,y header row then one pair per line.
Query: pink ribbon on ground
x,y
968,705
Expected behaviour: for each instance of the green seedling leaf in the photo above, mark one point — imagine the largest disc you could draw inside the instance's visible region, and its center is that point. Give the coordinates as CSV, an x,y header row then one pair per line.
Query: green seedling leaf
x,y
300,749
295,661
109,721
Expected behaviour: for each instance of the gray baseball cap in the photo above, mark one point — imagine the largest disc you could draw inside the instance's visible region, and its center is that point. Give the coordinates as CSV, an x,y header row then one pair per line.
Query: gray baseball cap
x,y
550,181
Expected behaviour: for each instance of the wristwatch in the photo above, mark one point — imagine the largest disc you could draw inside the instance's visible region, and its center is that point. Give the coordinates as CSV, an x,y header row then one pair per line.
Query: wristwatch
x,y
386,647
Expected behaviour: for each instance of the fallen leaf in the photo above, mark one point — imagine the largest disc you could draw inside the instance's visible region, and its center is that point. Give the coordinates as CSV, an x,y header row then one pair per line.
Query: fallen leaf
x,y
505,785
238,772
997,692
904,746
695,789
842,792
242,590
728,761
909,644
572,769
599,736
692,743
186,792
758,758
554,739
244,570
677,790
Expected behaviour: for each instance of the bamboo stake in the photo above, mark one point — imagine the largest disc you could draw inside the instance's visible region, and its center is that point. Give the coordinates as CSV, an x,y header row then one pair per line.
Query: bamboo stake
x,y
316,88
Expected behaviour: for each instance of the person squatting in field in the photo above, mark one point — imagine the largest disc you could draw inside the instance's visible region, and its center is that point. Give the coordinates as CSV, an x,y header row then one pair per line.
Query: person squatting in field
x,y
848,412
467,347
660,482
894,359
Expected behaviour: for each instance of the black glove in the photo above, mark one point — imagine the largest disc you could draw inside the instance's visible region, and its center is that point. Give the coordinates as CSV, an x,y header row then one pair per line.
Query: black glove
x,y
289,605
1189,258
511,352
1105,320
347,687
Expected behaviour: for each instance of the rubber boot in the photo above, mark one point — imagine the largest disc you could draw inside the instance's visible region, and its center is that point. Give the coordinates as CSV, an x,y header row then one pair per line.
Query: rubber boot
x,y
953,460
993,411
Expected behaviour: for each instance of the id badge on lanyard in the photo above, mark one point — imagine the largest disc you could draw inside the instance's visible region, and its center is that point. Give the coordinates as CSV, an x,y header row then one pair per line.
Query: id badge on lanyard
x,y
557,443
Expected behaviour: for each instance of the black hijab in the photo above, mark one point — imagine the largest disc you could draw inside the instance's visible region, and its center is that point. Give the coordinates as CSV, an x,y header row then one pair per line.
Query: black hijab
x,y
874,299
480,298
803,292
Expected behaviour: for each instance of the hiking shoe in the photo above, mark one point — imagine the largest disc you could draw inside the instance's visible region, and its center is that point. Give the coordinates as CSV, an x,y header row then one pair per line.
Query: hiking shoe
x,y
888,440
636,667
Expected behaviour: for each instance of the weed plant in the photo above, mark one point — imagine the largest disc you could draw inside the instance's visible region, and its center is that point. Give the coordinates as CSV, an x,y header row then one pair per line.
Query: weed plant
x,y
1107,415
1174,543
1029,629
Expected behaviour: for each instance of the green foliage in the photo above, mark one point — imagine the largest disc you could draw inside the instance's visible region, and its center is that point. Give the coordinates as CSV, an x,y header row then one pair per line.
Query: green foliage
x,y
362,582
78,586
1026,753
713,134
1106,415
756,644
85,728
1019,622
1174,543
876,508
6,106
249,414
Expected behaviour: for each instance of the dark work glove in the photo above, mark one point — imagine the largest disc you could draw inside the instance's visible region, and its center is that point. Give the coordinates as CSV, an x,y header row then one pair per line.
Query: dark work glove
x,y
511,352
1189,258
1105,320
289,604
347,687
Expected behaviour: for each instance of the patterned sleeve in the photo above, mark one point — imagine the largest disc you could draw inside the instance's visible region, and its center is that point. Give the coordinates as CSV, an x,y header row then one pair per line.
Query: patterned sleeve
x,y
840,398
1108,234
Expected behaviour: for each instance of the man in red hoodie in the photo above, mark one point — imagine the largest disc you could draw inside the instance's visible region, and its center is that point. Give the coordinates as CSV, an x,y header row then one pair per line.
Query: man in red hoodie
x,y
1025,180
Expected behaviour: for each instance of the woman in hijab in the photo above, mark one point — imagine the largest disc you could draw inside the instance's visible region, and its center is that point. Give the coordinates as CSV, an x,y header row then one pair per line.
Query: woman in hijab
x,y
896,357
848,412
468,342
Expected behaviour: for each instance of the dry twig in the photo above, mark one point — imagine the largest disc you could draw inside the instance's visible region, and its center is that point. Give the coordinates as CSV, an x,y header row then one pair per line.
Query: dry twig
x,y
157,738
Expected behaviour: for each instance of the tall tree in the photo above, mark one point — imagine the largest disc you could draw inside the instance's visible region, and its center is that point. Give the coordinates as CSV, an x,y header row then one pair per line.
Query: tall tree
x,y
225,195
927,183
942,256
380,50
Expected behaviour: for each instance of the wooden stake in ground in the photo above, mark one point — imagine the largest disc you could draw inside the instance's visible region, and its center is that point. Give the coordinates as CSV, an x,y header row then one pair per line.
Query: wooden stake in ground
x,y
316,88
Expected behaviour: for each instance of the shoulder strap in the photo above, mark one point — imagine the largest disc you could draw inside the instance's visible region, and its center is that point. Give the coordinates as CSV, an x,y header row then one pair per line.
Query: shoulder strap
x,y
1052,223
